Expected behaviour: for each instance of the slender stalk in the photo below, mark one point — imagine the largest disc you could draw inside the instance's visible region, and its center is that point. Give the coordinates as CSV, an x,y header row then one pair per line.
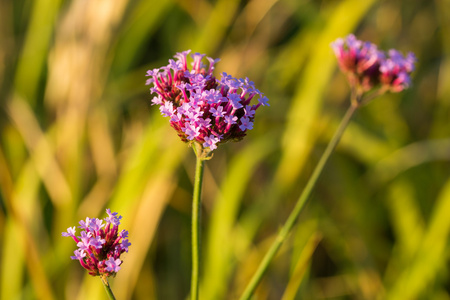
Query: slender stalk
x,y
282,235
107,287
196,221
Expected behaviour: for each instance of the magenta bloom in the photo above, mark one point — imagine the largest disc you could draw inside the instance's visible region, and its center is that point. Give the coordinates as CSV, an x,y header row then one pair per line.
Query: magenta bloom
x,y
367,67
202,108
395,70
100,244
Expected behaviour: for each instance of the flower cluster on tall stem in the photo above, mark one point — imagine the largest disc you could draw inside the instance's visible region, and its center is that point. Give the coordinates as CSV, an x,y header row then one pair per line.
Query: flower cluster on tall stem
x,y
100,244
201,108
205,112
367,70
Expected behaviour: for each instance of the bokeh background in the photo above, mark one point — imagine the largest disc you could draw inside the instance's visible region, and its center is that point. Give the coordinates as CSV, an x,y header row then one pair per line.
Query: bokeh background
x,y
78,135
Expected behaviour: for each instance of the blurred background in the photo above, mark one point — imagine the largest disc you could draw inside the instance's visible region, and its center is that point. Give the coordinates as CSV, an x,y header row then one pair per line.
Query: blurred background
x,y
78,135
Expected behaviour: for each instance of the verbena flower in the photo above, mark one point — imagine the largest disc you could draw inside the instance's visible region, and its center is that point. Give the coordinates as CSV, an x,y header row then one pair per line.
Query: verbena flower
x,y
367,67
201,108
100,244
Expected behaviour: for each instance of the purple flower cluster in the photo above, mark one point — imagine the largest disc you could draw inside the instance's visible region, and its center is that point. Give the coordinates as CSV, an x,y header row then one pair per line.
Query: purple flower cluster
x,y
100,244
367,67
202,108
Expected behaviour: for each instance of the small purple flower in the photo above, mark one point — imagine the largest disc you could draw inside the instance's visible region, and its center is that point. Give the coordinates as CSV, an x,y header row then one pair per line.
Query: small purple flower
x,y
264,101
113,218
96,224
218,113
191,131
82,246
175,118
197,64
97,242
85,237
79,254
125,244
84,225
201,108
230,119
100,244
157,100
205,123
246,124
249,111
112,265
70,232
123,233
235,100
211,141
167,109
367,67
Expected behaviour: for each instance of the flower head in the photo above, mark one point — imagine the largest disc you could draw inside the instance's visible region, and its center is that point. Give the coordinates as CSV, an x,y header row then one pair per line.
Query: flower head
x,y
201,108
367,67
100,244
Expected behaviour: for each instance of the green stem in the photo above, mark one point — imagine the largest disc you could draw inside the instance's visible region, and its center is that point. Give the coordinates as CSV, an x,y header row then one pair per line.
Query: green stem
x,y
196,221
282,235
107,287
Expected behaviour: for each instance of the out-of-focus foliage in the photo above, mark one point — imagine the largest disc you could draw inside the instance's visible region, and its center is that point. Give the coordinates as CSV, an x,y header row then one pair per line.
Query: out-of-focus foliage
x,y
78,135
